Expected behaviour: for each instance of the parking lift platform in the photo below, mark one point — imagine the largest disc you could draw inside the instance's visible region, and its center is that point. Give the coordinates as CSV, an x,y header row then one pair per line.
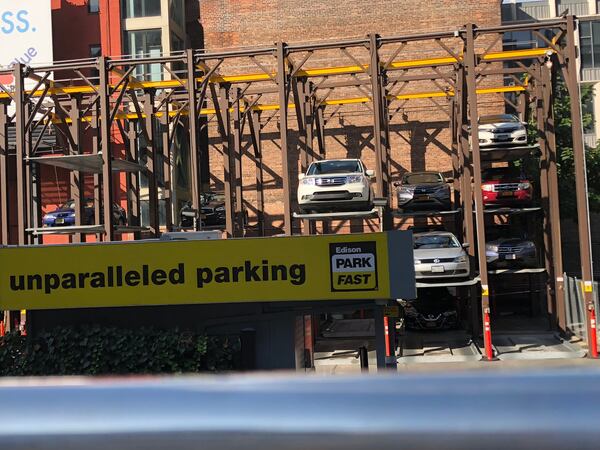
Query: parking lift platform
x,y
506,153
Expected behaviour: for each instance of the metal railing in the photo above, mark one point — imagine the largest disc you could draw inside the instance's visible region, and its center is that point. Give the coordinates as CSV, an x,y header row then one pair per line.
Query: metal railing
x,y
553,409
576,314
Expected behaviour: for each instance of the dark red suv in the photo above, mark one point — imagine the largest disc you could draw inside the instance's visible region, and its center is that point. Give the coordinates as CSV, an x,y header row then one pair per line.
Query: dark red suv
x,y
506,186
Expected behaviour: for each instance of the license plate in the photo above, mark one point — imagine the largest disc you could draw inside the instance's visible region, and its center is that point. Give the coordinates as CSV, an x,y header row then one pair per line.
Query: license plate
x,y
59,221
510,256
503,137
437,269
505,194
431,324
421,197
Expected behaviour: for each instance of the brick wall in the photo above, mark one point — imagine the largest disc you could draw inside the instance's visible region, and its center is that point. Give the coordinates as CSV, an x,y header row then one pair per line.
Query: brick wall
x,y
419,134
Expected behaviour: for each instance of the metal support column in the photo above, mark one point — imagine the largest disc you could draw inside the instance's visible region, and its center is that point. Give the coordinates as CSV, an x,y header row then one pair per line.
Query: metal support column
x,y
4,194
19,97
553,197
471,67
284,91
165,133
238,229
76,176
222,105
583,218
193,124
151,154
379,133
105,143
255,137
133,181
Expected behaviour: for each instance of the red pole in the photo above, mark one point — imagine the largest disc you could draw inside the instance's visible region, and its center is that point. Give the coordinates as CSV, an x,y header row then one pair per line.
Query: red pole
x,y
387,336
2,330
593,334
487,336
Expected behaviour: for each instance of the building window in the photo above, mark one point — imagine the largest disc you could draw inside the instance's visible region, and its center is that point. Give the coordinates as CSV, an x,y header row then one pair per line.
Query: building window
x,y
140,8
589,40
94,6
176,11
144,43
95,52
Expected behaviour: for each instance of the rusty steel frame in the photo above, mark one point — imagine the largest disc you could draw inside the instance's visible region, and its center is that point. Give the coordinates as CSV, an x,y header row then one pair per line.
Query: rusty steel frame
x,y
456,75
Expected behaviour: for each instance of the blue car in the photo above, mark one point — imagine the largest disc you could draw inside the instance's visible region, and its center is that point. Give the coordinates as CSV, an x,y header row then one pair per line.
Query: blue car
x,y
64,215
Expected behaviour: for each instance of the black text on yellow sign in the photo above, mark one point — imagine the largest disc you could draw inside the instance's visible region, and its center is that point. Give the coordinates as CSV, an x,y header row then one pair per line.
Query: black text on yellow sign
x,y
353,266
190,272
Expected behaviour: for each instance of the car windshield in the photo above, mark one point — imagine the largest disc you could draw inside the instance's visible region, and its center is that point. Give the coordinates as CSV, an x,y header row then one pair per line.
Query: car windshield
x,y
498,118
422,178
435,241
327,167
69,204
502,174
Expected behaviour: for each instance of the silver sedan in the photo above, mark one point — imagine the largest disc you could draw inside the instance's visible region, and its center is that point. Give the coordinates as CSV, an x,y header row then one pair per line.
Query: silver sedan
x,y
439,254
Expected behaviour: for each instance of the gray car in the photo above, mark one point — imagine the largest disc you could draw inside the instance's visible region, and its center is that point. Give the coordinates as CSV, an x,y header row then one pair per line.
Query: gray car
x,y
511,251
439,254
423,191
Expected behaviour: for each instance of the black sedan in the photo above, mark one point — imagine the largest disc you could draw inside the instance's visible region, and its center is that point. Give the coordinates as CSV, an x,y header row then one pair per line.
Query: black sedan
x,y
511,251
423,191
212,209
434,309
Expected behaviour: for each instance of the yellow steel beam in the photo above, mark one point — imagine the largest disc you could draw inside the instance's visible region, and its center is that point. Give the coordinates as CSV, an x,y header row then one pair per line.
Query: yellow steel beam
x,y
317,72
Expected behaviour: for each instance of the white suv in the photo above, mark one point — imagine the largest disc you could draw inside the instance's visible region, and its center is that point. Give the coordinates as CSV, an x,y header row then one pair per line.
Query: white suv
x,y
335,184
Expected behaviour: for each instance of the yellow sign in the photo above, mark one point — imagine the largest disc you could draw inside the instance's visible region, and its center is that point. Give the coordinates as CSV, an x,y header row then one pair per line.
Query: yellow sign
x,y
335,267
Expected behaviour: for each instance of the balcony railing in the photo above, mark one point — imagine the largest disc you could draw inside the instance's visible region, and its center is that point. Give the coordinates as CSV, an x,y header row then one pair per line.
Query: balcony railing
x,y
575,8
590,140
527,11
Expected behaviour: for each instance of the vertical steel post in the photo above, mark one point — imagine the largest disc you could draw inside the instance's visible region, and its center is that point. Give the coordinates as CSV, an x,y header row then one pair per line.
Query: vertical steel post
x,y
223,108
4,195
76,176
471,67
193,124
151,151
553,196
583,217
255,136
238,228
133,181
283,88
19,97
165,133
105,142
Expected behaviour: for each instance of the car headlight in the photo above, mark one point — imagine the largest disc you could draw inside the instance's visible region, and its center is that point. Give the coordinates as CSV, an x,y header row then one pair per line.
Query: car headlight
x,y
449,313
523,186
71,214
487,187
309,181
417,261
492,248
220,208
354,179
461,259
50,216
405,190
529,244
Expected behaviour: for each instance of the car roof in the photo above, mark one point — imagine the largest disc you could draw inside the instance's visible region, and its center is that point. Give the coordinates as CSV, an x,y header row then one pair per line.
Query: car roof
x,y
434,233
336,159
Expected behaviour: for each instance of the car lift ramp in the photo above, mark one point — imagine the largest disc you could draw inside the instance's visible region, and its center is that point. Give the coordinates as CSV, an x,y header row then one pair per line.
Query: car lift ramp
x,y
472,282
507,153
523,346
399,213
511,211
86,229
437,347
91,163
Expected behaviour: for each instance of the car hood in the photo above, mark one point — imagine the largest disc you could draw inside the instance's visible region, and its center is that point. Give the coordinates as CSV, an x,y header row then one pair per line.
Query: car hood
x,y
329,175
59,211
513,242
423,185
501,126
428,253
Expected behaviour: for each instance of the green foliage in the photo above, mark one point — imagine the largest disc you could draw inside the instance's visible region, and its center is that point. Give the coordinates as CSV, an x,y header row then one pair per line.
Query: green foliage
x,y
564,149
96,350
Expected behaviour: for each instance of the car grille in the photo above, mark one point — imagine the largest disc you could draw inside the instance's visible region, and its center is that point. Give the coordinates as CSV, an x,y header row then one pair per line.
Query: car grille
x,y
426,189
436,274
504,130
506,187
436,260
330,181
208,210
510,249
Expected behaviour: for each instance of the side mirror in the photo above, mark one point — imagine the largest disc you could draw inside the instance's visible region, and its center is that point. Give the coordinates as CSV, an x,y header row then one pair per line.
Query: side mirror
x,y
396,183
370,173
450,180
466,245
524,124
301,176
